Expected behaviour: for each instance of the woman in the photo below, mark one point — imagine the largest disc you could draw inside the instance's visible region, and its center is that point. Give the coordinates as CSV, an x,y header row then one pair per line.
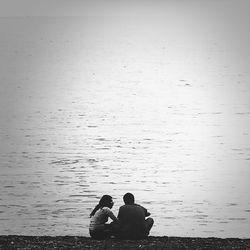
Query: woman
x,y
98,229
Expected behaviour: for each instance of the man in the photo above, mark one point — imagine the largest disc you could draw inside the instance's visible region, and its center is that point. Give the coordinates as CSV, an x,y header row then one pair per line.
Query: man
x,y
131,216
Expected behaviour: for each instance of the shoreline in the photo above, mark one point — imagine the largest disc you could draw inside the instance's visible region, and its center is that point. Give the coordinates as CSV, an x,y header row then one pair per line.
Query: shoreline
x,y
151,243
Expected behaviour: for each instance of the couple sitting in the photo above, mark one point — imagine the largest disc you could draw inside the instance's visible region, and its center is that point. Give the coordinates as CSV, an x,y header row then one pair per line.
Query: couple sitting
x,y
131,222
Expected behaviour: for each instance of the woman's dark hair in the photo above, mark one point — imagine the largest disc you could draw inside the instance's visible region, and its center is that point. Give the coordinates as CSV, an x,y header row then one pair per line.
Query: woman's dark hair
x,y
105,201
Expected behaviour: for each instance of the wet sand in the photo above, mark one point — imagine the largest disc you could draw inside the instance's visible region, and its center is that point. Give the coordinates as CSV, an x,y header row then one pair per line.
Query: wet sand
x,y
74,242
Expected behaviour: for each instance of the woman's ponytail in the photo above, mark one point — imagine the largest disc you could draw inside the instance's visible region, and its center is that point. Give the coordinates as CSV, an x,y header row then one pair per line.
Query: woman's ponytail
x,y
94,210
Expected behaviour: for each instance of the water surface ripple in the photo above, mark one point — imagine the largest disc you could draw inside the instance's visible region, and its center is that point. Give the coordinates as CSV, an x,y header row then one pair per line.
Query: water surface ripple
x,y
90,118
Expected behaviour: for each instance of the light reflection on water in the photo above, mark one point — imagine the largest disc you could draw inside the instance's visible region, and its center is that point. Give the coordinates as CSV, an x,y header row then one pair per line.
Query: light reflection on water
x,y
180,145
53,193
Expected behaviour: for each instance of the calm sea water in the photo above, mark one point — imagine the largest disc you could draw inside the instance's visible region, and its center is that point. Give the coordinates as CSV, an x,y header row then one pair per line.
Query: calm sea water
x,y
94,106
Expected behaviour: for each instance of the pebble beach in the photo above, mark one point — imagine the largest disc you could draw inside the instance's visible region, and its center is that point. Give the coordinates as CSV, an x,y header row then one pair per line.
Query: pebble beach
x,y
151,243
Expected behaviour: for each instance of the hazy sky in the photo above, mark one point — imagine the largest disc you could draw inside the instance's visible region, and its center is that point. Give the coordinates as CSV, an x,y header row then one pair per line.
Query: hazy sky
x,y
235,8
230,18
225,20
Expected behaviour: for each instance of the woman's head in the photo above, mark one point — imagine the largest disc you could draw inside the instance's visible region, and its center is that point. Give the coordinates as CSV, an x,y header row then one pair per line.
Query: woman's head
x,y
105,201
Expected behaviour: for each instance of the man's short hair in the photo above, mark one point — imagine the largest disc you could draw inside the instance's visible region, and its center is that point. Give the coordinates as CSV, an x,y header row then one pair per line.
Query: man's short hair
x,y
128,198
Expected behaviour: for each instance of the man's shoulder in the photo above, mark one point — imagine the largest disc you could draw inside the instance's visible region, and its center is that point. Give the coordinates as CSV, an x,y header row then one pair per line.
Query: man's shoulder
x,y
144,209
138,205
131,207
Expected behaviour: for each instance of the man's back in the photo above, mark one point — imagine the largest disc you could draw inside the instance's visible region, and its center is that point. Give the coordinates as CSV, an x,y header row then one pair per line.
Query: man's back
x,y
132,219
